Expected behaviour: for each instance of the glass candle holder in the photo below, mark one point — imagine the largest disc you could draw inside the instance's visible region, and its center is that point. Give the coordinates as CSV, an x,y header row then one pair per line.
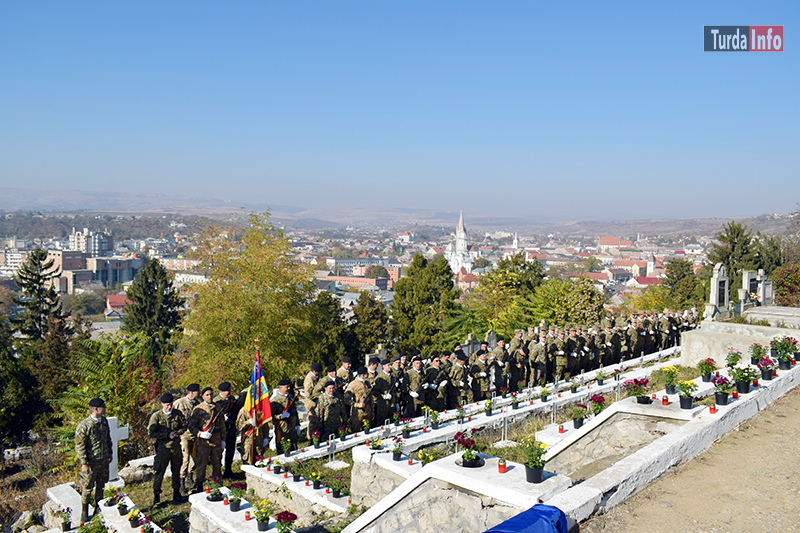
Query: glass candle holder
x,y
501,466
561,429
665,400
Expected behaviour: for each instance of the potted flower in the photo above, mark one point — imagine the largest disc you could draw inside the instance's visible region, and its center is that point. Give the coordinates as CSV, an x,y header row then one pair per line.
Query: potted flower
x,y
757,351
617,373
598,403
504,391
261,511
487,407
514,400
315,478
469,459
336,485
133,517
723,386
147,527
122,508
578,414
520,385
397,450
342,433
783,348
365,424
434,418
637,388
296,470
460,412
573,385
215,495
600,377
686,389
285,520
277,467
671,376
396,417
767,366
743,376
534,460
235,497
286,446
65,514
315,436
543,393
406,428
706,367
733,357
111,496
376,443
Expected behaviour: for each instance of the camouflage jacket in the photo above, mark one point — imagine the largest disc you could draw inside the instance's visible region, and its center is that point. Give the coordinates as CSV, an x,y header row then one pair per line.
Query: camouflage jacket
x,y
93,441
162,424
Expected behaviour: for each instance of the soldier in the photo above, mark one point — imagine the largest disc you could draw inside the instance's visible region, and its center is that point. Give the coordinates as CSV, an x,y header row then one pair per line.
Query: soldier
x,y
538,358
286,422
320,386
252,444
164,429
330,410
229,406
207,425
415,389
664,329
94,453
447,365
358,397
515,342
559,354
399,384
641,336
458,391
186,405
436,385
499,364
382,392
480,377
518,368
372,369
474,357
308,392
571,348
344,373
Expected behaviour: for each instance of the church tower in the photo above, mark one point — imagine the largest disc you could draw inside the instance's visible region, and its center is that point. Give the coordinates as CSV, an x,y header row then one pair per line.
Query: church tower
x,y
461,235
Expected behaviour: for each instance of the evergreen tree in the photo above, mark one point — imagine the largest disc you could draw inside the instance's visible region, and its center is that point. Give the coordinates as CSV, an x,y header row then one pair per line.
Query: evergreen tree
x,y
423,301
575,300
16,390
371,326
329,334
39,298
154,311
681,284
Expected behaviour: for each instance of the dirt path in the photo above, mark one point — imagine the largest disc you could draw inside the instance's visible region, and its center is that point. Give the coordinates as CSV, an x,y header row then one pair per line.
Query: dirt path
x,y
748,481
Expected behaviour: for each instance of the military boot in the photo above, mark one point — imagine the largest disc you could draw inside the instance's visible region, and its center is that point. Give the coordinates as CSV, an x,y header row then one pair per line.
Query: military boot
x,y
228,473
156,498
183,490
84,513
177,498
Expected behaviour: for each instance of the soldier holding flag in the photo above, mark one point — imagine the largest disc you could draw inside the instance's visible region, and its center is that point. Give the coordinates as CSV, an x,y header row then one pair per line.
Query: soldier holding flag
x,y
255,415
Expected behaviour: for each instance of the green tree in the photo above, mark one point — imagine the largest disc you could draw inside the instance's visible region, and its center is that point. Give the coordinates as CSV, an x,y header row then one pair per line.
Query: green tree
x,y
481,262
573,300
16,390
154,311
376,271
787,285
329,334
681,285
423,301
371,323
591,264
86,303
255,291
790,243
39,299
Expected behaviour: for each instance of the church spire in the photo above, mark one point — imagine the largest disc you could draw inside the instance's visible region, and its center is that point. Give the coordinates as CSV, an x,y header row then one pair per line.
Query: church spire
x,y
460,226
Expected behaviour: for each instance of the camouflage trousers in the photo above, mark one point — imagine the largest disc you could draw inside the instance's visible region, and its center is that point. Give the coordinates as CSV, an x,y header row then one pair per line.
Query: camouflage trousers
x,y
93,483
249,442
187,463
167,456
208,451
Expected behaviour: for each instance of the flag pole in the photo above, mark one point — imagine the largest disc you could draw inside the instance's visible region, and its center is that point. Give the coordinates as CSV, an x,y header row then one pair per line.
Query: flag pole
x,y
252,458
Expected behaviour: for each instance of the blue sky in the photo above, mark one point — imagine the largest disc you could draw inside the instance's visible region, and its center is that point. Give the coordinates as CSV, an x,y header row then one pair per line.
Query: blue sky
x,y
552,111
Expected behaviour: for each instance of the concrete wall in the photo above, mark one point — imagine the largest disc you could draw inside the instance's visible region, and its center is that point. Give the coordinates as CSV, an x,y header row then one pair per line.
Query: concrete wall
x,y
437,506
370,483
787,316
714,338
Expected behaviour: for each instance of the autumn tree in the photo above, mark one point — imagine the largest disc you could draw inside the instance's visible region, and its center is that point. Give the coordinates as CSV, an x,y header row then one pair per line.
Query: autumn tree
x,y
574,300
376,271
255,291
370,323
422,303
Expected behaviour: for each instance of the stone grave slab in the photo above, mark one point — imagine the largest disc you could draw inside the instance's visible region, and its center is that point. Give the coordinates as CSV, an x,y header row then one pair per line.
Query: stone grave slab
x,y
64,495
120,524
216,517
267,480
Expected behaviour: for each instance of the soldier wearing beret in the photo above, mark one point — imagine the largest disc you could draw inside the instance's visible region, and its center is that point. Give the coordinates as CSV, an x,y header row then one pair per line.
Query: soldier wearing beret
x,y
319,388
94,453
207,425
284,416
186,405
382,392
459,391
416,392
309,400
480,376
229,406
344,373
164,429
331,410
358,398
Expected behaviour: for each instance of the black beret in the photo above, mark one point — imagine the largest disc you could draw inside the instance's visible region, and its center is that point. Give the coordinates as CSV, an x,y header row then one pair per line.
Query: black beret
x,y
480,352
361,371
417,352
316,367
461,356
445,353
167,398
416,358
484,342
331,368
96,402
434,353
206,390
193,387
459,352
500,339
456,344
385,362
284,382
402,354
329,383
395,358
374,360
346,359
224,386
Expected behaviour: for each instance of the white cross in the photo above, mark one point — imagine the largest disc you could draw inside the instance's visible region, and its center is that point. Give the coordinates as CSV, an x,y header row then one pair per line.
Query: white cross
x,y
117,434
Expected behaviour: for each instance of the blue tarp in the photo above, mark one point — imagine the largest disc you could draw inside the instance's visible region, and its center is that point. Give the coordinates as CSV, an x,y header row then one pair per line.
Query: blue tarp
x,y
537,519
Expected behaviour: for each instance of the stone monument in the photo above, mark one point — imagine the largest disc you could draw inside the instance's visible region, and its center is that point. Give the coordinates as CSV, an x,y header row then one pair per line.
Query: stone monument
x,y
719,305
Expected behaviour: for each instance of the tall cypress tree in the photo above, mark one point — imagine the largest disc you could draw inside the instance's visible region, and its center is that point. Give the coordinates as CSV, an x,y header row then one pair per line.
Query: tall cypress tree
x,y
154,310
371,325
39,298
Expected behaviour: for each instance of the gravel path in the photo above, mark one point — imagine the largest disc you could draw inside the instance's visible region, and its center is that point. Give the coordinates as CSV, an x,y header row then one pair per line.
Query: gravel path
x,y
748,481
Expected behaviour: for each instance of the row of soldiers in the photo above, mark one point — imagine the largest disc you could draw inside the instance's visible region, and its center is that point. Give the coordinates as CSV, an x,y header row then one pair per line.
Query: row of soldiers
x,y
386,389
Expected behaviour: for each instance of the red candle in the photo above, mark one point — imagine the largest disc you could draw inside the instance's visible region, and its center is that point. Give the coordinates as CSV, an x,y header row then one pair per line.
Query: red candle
x,y
410,462
469,419
654,397
712,409
561,429
327,490
306,483
285,476
755,383
501,466
247,515
208,491
225,501
735,395
665,400
774,373
424,430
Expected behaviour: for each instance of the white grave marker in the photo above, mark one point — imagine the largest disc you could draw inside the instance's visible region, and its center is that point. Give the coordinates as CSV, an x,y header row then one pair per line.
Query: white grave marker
x,y
118,433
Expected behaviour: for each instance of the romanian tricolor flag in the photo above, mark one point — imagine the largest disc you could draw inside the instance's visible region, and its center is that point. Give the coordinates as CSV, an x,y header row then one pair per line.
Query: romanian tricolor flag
x,y
257,402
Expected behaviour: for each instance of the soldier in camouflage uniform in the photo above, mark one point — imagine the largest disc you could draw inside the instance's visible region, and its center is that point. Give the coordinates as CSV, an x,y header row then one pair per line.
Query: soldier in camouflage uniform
x,y
345,374
229,406
309,400
207,425
436,380
164,429
186,405
372,369
259,441
330,410
382,393
559,353
285,419
416,392
480,377
319,388
94,453
538,358
459,383
358,398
